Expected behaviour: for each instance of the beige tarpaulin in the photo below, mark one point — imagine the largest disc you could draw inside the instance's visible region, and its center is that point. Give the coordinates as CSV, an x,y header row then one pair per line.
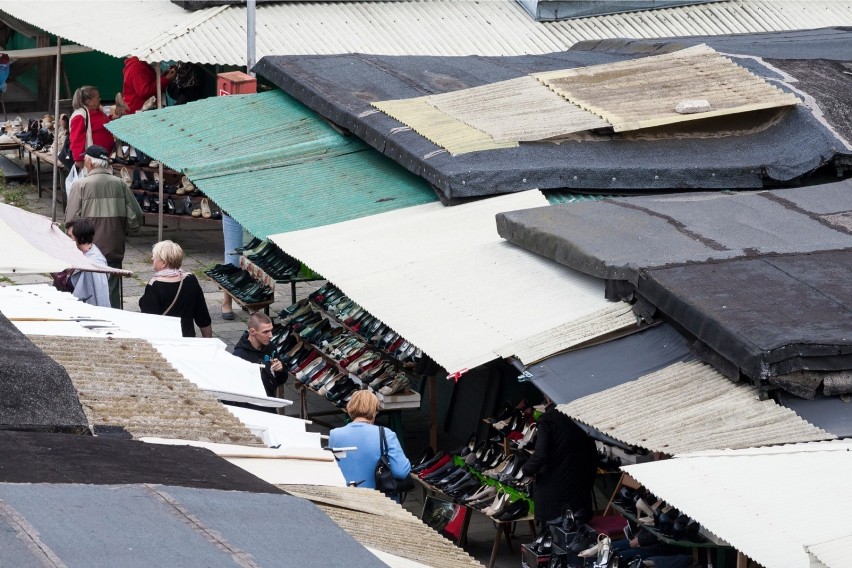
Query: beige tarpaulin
x,y
31,243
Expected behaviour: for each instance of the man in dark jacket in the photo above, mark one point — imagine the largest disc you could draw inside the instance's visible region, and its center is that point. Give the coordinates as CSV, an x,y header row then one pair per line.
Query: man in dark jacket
x,y
254,347
564,464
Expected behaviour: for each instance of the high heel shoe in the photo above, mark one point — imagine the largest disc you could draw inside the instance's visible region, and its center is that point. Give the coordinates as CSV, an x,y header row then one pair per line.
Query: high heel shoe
x,y
170,207
644,513
546,545
146,202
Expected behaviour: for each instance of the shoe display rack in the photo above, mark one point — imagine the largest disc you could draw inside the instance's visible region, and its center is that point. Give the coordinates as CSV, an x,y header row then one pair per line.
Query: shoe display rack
x,y
180,197
482,477
249,293
645,512
333,360
270,265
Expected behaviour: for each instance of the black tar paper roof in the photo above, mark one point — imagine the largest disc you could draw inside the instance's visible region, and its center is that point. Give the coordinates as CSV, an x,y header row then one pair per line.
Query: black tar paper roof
x,y
769,316
617,238
35,457
36,393
341,88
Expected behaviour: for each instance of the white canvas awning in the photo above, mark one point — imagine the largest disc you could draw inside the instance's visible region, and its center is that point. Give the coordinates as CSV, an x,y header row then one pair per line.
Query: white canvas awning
x,y
768,503
277,430
442,278
32,243
41,309
206,363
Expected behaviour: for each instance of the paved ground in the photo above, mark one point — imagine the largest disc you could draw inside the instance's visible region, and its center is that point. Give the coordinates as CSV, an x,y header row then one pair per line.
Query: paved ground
x,y
203,246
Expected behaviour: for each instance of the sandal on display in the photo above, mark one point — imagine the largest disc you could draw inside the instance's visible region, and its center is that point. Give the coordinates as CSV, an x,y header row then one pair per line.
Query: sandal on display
x,y
205,209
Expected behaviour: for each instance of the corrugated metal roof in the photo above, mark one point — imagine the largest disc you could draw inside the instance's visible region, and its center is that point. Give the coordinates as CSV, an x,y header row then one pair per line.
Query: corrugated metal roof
x,y
644,92
689,407
449,27
369,516
114,28
161,31
140,391
834,553
517,110
460,293
446,131
618,315
769,503
268,148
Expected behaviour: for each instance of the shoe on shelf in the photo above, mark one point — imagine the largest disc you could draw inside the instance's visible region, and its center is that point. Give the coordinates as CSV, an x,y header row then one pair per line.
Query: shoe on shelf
x,y
205,209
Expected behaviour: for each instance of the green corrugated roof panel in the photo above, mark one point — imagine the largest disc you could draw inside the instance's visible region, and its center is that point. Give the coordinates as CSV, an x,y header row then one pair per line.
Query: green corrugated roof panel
x,y
557,196
317,193
271,163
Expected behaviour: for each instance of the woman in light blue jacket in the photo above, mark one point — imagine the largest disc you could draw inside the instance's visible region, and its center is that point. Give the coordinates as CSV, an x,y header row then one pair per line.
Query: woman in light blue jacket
x,y
359,466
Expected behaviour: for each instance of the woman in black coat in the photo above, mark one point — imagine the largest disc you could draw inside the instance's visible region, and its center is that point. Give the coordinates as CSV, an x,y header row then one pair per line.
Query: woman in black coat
x,y
564,464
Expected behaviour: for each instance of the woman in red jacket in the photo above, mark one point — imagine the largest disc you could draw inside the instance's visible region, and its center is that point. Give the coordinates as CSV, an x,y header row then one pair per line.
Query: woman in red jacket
x,y
88,124
140,83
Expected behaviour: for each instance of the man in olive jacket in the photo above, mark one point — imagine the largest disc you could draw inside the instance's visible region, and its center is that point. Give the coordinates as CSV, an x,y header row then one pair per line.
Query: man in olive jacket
x,y
108,202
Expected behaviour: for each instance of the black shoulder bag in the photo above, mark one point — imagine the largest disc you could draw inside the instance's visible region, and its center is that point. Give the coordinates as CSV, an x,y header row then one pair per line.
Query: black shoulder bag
x,y
385,481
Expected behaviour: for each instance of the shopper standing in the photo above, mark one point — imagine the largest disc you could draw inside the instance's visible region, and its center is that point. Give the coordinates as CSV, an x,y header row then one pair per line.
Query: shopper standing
x,y
173,292
564,464
360,466
111,206
88,124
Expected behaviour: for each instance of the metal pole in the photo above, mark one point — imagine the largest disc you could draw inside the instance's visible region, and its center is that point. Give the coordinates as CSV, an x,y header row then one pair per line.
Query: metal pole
x,y
160,208
56,128
251,32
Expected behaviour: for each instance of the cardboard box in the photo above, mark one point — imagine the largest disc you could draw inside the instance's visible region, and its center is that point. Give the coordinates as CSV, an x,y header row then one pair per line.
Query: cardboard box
x,y
531,559
235,83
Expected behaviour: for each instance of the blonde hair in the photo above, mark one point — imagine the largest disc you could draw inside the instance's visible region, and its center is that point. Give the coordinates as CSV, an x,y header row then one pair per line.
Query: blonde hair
x,y
82,96
363,404
169,252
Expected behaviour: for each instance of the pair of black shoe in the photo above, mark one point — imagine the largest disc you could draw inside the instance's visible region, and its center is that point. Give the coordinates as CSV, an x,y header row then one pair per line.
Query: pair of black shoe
x,y
489,456
341,390
465,485
427,460
222,270
514,511
43,140
543,544
440,473
276,263
241,284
